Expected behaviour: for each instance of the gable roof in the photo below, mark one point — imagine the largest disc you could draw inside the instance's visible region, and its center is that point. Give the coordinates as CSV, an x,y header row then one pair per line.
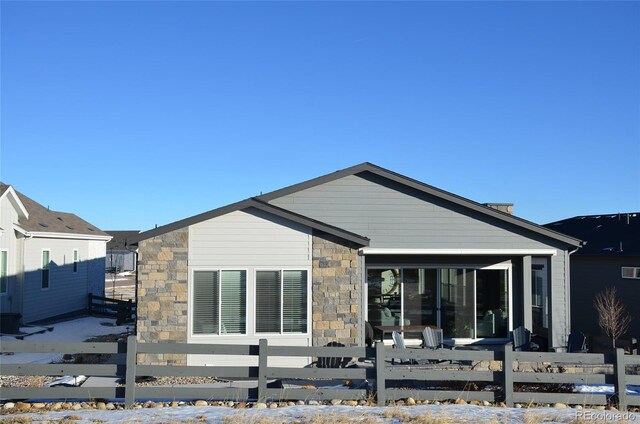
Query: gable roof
x,y
41,220
425,188
248,204
605,235
8,191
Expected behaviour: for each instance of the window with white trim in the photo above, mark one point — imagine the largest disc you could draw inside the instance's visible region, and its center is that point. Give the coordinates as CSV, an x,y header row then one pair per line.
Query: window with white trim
x,y
4,264
46,255
281,301
632,272
75,260
220,302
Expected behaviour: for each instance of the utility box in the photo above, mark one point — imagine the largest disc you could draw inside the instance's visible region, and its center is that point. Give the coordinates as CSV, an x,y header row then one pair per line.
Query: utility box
x,y
10,322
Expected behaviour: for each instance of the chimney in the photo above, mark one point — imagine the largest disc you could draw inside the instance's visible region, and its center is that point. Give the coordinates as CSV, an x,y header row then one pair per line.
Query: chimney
x,y
502,207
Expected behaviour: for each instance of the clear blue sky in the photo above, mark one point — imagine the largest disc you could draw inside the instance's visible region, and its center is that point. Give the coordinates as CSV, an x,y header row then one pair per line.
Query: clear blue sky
x,y
132,114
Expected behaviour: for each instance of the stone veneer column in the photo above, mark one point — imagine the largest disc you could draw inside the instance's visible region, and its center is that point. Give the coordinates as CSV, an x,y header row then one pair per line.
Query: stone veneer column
x,y
335,291
162,294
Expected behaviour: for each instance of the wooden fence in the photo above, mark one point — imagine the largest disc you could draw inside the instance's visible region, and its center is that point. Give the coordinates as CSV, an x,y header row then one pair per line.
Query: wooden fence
x,y
418,373
122,310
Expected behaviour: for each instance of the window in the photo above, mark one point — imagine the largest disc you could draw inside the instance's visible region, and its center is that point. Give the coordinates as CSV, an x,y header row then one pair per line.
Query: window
x,y
3,271
631,272
281,301
75,260
45,268
219,302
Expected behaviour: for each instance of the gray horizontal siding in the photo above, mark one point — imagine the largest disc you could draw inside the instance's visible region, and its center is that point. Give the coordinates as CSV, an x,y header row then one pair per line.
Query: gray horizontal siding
x,y
394,216
248,239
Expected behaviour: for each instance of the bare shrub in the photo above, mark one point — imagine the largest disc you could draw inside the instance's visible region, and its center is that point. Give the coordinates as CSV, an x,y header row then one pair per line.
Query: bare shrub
x,y
613,317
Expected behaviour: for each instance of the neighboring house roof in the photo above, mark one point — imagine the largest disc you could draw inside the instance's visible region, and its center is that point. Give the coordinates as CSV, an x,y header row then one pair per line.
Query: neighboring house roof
x,y
119,240
41,220
262,202
256,204
604,235
425,188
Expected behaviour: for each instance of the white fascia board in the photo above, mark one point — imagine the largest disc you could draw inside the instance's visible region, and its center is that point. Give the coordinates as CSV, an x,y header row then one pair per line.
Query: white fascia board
x,y
42,234
21,230
15,201
459,252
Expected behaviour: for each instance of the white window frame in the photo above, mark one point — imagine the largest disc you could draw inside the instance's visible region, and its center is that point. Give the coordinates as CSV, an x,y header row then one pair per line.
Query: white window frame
x,y
192,302
635,270
42,269
254,293
5,253
75,260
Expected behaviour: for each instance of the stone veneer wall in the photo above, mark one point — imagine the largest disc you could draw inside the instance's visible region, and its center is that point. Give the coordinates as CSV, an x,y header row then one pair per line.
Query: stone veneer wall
x,y
335,291
162,294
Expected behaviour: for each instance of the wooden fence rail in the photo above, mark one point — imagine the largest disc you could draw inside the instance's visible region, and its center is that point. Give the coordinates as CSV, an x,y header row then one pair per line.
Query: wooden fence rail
x,y
122,310
419,373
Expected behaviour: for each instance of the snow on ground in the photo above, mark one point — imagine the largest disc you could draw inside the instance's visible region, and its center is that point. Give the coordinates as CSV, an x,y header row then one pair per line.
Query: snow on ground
x,y
338,414
76,330
605,389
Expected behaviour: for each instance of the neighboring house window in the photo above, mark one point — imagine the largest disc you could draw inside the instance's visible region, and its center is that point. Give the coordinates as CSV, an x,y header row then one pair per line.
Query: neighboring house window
x,y
75,260
3,271
281,301
219,302
631,272
45,268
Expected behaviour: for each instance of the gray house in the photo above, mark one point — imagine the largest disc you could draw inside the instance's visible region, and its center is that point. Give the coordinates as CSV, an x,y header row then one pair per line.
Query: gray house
x,y
49,260
310,263
609,258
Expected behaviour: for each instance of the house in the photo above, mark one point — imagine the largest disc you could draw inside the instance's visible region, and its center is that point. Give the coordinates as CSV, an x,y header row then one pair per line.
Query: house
x,y
309,264
609,258
119,258
49,261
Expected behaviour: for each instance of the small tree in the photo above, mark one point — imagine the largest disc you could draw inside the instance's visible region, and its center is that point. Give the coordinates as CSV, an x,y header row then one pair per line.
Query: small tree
x,y
612,314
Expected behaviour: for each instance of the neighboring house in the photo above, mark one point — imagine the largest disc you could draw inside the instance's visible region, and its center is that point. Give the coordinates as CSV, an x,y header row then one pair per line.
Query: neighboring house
x,y
609,258
310,263
49,261
119,258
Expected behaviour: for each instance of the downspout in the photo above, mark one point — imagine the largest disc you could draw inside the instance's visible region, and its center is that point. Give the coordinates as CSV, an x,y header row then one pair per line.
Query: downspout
x,y
567,273
27,235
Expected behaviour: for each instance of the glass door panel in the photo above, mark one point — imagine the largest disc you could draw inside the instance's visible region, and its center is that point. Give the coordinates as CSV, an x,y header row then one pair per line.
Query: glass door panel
x,y
419,296
492,302
383,298
457,302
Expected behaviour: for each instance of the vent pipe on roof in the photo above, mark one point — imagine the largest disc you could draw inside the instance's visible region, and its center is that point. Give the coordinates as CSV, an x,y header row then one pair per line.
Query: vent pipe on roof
x,y
502,207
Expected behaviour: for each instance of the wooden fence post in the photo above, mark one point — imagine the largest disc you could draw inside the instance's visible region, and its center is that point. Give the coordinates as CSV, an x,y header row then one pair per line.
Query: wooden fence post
x,y
262,370
380,377
130,376
621,379
507,371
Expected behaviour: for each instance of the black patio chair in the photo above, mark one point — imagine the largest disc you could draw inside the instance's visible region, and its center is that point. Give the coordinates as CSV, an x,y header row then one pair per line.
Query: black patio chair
x,y
577,343
521,338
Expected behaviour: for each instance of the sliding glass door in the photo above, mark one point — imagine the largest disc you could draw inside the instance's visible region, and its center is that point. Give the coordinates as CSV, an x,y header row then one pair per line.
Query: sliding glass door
x,y
467,303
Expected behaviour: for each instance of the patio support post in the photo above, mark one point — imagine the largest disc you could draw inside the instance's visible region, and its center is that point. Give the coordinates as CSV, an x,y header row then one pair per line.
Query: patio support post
x,y
526,293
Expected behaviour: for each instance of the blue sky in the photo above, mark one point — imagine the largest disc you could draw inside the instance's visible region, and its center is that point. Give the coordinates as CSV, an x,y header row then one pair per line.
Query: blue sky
x,y
132,114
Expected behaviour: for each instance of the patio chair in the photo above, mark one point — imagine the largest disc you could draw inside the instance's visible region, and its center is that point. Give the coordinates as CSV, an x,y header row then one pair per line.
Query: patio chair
x,y
521,339
398,343
577,343
432,339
